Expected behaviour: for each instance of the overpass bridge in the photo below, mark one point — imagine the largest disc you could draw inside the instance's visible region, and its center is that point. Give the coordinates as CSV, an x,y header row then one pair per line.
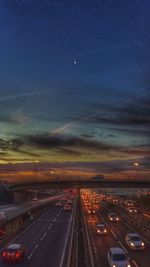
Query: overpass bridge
x,y
81,184
22,191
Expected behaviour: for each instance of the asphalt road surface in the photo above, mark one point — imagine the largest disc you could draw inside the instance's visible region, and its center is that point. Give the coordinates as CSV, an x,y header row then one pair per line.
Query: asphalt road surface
x,y
44,240
115,237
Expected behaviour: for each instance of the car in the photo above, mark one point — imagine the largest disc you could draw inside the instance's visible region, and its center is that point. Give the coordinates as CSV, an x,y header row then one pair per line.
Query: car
x,y
67,207
101,229
3,216
113,217
13,253
130,203
118,258
58,204
91,211
134,241
132,210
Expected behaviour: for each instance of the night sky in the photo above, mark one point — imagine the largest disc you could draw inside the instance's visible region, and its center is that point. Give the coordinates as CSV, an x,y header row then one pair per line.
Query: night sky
x,y
74,87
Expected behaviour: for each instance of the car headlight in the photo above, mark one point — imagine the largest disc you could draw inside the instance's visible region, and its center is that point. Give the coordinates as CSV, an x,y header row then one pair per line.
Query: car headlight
x,y
132,244
98,231
143,244
105,231
128,265
114,265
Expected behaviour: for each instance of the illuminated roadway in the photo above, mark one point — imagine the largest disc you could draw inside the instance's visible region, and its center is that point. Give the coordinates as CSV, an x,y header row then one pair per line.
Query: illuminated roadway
x,y
115,237
45,239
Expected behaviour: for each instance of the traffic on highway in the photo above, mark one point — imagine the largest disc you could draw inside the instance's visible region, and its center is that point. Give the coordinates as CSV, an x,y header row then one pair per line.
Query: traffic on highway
x,y
111,235
115,241
45,240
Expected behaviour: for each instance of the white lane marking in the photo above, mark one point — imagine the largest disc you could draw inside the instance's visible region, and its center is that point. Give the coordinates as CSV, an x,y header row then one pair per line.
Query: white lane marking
x,y
113,233
66,241
33,251
49,227
36,246
54,220
123,247
43,236
23,232
135,263
128,225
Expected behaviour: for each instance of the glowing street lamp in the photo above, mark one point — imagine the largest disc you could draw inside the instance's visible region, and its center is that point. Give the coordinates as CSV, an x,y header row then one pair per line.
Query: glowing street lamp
x,y
136,164
36,167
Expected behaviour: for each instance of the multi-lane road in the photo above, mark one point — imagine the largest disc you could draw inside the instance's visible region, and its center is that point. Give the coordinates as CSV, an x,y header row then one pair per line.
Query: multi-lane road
x,y
115,238
45,239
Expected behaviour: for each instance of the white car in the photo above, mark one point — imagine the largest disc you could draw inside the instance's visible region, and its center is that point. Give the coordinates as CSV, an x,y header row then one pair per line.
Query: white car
x,y
118,258
101,229
113,217
134,241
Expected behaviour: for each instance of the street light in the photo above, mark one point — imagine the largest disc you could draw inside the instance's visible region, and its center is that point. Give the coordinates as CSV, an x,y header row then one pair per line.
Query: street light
x,y
136,164
36,167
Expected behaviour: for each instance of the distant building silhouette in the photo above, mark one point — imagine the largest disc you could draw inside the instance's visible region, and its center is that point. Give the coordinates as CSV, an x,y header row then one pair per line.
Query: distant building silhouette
x,y
98,177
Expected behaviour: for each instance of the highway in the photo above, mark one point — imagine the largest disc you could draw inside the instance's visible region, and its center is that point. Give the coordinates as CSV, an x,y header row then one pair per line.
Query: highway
x,y
115,237
12,210
45,239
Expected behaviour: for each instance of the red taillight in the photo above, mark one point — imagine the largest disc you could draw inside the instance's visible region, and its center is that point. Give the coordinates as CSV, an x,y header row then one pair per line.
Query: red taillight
x,y
17,254
2,232
4,254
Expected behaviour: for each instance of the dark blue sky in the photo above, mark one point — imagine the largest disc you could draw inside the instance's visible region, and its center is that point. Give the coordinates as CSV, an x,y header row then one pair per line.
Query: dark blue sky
x,y
74,80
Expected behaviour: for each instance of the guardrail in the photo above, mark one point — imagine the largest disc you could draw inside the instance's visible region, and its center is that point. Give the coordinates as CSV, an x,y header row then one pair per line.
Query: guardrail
x,y
87,242
70,241
72,244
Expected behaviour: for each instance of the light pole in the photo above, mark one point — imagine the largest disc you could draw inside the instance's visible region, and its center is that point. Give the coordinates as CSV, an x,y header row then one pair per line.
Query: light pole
x,y
136,164
36,168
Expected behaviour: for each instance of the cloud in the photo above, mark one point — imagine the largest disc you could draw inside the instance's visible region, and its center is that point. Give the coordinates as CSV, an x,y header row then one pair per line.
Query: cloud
x,y
23,95
53,141
67,151
130,116
66,147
